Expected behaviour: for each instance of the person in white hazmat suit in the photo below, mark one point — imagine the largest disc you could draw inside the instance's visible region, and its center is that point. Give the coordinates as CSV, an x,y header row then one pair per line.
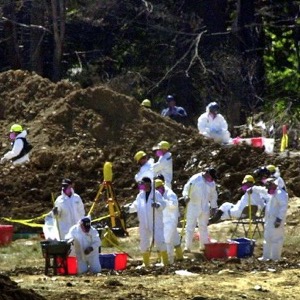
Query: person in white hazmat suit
x,y
200,196
149,205
86,245
274,172
229,210
19,153
145,166
170,219
275,217
164,165
68,208
213,125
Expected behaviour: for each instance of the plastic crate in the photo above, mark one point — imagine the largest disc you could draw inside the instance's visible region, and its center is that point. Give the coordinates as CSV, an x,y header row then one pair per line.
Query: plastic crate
x,y
107,261
220,250
245,247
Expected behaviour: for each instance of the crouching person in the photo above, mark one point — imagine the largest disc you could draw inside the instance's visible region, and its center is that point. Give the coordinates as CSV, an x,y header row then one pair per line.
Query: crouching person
x,y
86,244
149,205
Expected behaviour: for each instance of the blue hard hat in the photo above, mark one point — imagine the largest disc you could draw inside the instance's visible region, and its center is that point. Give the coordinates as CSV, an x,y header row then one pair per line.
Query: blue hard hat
x,y
170,98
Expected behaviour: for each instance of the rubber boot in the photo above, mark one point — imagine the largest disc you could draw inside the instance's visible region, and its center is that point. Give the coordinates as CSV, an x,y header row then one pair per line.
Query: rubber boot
x,y
178,253
216,217
164,256
146,259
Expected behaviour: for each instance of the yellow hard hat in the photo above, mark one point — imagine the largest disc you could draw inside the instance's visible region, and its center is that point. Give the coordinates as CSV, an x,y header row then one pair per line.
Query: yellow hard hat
x,y
146,103
139,155
16,128
271,168
163,145
158,183
248,178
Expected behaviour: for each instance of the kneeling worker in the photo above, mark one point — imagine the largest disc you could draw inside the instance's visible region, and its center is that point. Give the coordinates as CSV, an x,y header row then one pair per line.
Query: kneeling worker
x,y
86,244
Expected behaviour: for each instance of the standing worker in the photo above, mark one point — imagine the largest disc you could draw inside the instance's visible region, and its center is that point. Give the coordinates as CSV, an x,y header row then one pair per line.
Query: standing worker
x,y
86,244
213,125
274,172
19,153
170,219
200,196
145,166
164,165
174,112
275,216
149,205
68,208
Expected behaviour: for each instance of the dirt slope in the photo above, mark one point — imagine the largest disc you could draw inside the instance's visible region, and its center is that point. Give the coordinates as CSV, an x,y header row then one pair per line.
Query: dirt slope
x,y
74,131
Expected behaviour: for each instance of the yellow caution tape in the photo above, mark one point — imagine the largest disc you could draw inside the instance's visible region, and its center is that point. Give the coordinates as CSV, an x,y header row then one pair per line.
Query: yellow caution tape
x,y
101,218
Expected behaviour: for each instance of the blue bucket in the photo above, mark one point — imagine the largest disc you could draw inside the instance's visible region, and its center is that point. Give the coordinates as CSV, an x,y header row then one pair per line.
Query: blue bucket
x,y
245,247
107,261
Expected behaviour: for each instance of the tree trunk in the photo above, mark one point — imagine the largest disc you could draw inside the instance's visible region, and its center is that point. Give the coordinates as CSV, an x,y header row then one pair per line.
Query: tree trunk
x,y
58,19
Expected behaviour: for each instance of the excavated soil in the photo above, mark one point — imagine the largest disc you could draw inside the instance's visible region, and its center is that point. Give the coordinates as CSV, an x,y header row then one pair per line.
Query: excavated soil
x,y
75,131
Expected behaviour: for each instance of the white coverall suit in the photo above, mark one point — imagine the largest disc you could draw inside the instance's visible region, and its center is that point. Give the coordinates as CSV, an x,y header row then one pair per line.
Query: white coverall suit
x,y
203,196
274,237
215,128
17,148
145,216
145,171
170,219
164,166
70,211
83,240
234,210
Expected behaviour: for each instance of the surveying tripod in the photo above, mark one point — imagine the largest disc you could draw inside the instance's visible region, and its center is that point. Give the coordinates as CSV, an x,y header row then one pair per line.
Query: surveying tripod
x,y
117,218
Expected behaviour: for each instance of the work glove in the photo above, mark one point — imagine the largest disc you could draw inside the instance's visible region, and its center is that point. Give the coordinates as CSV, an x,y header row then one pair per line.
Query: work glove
x,y
3,160
277,222
55,211
126,208
88,250
186,199
155,205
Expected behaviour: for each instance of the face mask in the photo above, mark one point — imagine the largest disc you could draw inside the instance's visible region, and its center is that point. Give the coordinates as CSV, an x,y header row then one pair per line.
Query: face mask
x,y
161,190
142,187
159,153
264,180
245,187
12,136
67,191
272,191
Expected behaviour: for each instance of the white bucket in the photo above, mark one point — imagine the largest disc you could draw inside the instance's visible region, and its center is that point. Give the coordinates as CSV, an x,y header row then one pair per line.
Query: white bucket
x,y
269,145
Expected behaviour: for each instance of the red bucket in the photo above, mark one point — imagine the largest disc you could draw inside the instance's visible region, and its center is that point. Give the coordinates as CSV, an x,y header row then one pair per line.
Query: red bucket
x,y
71,264
6,234
121,261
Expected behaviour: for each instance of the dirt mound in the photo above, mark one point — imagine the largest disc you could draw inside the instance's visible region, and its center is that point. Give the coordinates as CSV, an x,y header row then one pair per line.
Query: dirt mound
x,y
74,131
11,291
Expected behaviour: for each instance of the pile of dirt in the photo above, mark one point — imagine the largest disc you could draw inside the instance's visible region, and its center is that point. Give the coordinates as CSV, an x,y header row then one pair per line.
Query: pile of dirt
x,y
74,131
11,291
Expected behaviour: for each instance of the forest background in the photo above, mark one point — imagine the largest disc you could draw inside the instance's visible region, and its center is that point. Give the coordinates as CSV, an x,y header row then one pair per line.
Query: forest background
x,y
243,54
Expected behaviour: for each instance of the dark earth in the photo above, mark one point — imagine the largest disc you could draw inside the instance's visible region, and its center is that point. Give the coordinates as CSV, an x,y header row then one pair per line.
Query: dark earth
x,y
74,131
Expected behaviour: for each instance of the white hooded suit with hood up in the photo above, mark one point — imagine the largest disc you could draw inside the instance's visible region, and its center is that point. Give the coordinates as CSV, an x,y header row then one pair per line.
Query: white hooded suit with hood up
x,y
273,237
213,127
203,197
83,240
70,211
145,216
